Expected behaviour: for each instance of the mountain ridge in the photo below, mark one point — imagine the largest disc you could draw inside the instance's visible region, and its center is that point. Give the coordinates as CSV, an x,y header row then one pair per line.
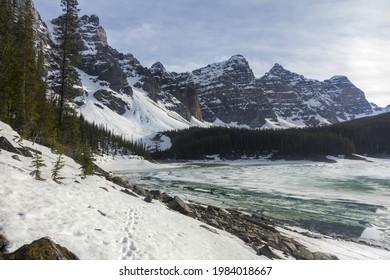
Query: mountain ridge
x,y
225,93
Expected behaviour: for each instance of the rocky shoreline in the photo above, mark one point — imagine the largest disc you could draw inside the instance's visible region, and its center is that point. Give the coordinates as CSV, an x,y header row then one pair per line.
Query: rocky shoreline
x,y
259,233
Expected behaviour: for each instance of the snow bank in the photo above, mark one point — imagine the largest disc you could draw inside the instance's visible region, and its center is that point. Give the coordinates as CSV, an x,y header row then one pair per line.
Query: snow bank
x,y
128,164
95,220
344,250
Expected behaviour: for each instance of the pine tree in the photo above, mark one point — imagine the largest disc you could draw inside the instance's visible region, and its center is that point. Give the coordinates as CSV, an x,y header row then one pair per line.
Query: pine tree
x,y
37,164
55,173
46,131
68,40
87,161
25,73
6,54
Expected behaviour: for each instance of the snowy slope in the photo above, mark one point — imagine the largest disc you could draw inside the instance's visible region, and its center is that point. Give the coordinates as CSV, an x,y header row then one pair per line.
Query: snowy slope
x,y
143,116
92,218
95,220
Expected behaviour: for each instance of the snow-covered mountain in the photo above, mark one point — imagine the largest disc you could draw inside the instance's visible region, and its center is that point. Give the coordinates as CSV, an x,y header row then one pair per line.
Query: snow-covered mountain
x,y
136,101
115,90
229,93
119,92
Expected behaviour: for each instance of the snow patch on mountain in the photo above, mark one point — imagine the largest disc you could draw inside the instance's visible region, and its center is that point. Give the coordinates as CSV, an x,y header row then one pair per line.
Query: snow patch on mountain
x,y
143,117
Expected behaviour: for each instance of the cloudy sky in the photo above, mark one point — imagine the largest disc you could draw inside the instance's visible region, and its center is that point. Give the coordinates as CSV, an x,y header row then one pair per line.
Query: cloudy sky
x,y
318,39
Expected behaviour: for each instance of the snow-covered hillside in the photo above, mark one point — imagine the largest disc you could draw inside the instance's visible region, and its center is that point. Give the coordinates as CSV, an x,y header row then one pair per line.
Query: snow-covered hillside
x,y
140,117
94,219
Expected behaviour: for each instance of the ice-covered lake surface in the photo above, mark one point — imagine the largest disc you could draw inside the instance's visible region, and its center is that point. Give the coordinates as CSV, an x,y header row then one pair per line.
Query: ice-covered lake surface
x,y
350,198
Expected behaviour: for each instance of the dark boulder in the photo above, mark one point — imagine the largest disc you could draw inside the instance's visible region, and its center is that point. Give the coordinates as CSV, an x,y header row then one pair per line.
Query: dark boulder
x,y
42,249
129,192
267,252
3,243
16,157
179,205
324,256
7,146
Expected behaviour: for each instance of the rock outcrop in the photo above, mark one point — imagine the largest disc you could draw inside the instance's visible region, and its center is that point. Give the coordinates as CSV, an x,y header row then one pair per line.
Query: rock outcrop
x,y
19,150
98,59
42,249
3,244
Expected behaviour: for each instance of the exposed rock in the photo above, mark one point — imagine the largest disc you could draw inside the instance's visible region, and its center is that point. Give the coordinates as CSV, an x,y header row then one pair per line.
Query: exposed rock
x,y
27,152
267,252
324,256
290,246
140,191
129,192
229,92
98,59
108,98
182,99
165,198
312,235
99,171
23,151
42,249
101,213
296,97
303,253
120,181
148,199
3,243
179,205
7,146
155,193
16,157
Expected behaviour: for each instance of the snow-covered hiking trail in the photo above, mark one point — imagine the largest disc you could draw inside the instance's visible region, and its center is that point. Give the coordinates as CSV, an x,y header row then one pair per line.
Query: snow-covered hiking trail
x,y
129,251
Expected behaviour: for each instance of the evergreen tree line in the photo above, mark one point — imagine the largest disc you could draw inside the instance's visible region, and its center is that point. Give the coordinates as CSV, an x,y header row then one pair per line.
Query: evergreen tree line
x,y
364,136
369,135
104,141
25,102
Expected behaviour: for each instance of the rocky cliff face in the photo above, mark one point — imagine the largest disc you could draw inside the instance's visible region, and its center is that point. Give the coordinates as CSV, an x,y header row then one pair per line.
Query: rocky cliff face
x,y
120,72
100,60
230,94
172,86
298,99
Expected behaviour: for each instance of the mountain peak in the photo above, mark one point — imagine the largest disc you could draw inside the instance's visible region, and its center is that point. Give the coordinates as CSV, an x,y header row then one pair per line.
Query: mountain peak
x,y
237,57
237,60
158,66
339,79
158,70
91,31
92,19
277,68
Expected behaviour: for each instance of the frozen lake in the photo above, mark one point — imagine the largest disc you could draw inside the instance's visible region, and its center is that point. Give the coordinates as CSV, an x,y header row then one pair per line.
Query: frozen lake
x,y
348,198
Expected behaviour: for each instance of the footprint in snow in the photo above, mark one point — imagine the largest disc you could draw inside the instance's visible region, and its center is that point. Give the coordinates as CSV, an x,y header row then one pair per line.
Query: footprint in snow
x,y
129,250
